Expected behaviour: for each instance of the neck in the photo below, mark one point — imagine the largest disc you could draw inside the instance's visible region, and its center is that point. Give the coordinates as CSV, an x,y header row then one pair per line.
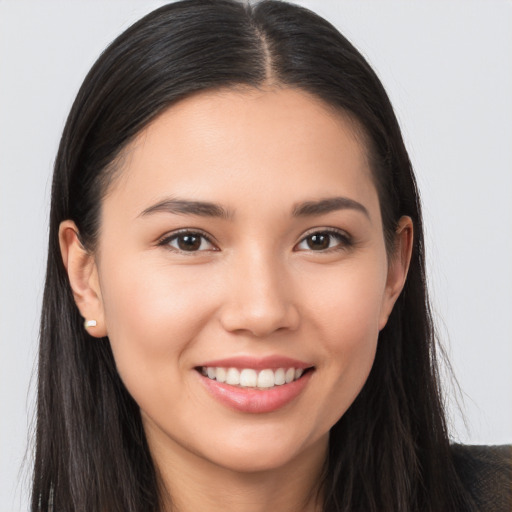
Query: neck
x,y
193,483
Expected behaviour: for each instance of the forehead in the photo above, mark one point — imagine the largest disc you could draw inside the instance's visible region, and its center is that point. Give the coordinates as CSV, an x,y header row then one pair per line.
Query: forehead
x,y
246,142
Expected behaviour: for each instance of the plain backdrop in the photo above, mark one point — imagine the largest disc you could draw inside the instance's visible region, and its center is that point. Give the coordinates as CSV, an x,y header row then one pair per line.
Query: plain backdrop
x,y
447,67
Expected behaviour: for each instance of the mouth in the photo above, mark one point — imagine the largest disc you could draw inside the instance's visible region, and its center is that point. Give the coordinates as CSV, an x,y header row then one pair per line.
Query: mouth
x,y
255,386
260,379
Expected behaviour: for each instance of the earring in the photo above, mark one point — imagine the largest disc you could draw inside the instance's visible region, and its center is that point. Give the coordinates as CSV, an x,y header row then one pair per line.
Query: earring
x,y
89,323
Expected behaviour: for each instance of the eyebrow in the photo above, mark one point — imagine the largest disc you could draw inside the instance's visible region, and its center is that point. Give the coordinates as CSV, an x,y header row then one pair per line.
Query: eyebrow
x,y
207,209
330,204
185,207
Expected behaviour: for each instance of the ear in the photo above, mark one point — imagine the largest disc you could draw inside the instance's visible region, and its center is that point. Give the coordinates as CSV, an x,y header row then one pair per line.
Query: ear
x,y
83,277
397,268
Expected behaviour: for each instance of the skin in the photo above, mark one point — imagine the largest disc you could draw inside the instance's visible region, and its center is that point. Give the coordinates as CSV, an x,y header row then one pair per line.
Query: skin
x,y
257,289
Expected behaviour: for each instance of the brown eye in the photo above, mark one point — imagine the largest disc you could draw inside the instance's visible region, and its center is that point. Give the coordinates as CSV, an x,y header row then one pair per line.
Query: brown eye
x,y
318,241
324,240
188,241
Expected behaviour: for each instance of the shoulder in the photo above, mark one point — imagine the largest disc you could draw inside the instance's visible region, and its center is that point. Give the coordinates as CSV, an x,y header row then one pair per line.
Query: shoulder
x,y
486,474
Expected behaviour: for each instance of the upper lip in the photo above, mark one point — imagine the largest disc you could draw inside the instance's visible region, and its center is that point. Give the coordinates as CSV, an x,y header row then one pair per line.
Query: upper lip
x,y
257,363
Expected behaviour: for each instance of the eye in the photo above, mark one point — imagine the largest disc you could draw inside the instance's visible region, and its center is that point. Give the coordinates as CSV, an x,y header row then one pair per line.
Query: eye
x,y
324,240
188,241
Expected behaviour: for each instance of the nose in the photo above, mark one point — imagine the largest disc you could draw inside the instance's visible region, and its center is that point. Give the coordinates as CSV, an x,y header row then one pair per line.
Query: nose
x,y
259,297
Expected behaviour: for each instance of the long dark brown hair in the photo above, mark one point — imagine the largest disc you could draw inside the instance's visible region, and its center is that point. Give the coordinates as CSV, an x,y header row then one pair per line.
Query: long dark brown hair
x,y
390,451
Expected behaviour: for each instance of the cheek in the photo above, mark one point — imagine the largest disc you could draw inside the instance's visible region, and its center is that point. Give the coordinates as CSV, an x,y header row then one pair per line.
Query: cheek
x,y
153,314
347,303
346,314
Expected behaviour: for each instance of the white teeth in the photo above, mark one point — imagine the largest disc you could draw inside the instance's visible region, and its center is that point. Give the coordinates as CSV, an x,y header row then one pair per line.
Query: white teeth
x,y
233,377
250,378
266,379
279,377
221,374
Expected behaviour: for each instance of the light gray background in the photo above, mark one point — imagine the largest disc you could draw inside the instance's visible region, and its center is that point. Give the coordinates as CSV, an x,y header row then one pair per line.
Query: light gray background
x,y
447,66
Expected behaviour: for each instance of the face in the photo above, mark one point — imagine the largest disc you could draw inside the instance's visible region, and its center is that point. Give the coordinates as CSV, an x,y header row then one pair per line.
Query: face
x,y
242,276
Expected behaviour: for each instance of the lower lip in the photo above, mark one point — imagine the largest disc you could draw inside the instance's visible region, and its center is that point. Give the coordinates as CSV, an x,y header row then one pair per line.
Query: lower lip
x,y
256,401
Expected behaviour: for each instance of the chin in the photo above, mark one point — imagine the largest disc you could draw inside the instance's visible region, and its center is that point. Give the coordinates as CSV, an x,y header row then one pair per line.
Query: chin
x,y
269,453
254,461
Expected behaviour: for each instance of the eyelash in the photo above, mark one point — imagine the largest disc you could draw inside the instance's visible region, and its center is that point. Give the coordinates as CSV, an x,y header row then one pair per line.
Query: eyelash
x,y
344,240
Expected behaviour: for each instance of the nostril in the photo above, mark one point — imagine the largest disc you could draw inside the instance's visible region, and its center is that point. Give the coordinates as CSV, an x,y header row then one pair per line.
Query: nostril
x,y
259,321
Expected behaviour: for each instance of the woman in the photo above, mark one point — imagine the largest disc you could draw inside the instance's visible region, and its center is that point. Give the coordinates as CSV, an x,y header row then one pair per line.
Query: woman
x,y
235,312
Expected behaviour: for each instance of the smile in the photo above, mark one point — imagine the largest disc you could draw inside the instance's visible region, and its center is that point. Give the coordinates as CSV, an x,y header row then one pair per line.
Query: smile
x,y
251,378
255,386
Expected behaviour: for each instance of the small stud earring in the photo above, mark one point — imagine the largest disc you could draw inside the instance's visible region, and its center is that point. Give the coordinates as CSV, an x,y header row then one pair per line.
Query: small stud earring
x,y
90,323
